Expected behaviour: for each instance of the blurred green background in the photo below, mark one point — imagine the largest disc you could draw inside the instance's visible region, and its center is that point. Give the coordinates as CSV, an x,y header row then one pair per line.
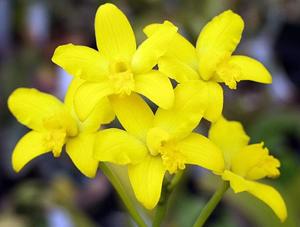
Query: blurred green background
x,y
51,192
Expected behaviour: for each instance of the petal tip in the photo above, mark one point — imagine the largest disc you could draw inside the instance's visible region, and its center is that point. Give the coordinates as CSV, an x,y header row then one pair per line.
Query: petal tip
x,y
269,79
231,13
106,6
17,166
59,51
90,175
283,218
171,25
14,97
149,206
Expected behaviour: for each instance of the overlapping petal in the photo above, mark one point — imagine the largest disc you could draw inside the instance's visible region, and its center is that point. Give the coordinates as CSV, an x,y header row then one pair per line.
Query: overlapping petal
x,y
156,87
217,40
187,111
214,101
133,113
119,147
101,114
229,136
146,179
114,35
30,146
198,150
81,61
176,69
88,95
184,51
80,149
266,193
70,94
148,53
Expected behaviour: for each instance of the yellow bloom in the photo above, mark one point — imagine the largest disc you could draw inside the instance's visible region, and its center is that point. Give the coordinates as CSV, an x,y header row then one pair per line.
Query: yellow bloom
x,y
118,68
168,141
55,124
247,163
212,60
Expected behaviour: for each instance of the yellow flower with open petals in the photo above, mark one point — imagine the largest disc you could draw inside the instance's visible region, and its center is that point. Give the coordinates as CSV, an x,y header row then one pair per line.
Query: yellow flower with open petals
x,y
247,163
167,138
212,60
118,68
55,124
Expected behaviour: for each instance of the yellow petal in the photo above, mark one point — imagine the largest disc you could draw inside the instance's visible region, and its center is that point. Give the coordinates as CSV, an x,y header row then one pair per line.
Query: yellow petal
x,y
254,162
229,136
176,69
237,183
148,53
150,29
271,197
156,139
133,113
30,146
146,179
70,94
249,69
156,87
81,61
101,114
114,35
80,149
267,194
187,111
88,95
198,150
38,110
185,52
119,147
217,40
215,101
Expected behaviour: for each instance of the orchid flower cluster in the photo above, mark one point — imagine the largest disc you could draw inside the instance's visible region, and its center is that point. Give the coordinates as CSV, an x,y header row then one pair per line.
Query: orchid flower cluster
x,y
110,82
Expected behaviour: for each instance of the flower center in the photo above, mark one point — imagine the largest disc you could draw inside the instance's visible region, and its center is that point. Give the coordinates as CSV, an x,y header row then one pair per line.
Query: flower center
x,y
173,160
254,162
56,139
119,67
121,77
160,143
229,74
265,166
57,132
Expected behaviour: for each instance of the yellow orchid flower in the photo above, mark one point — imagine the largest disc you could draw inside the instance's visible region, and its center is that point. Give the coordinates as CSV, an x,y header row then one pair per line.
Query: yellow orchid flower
x,y
247,163
55,124
212,60
168,141
119,67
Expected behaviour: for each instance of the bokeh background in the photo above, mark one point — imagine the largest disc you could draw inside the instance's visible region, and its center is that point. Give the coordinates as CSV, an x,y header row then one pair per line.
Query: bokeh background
x,y
51,192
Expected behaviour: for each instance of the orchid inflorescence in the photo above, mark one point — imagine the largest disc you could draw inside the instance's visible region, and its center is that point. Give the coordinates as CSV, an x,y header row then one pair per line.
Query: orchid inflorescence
x,y
109,82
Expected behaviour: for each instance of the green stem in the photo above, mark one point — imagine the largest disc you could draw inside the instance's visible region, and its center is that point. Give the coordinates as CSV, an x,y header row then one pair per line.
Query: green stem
x,y
115,181
211,205
161,208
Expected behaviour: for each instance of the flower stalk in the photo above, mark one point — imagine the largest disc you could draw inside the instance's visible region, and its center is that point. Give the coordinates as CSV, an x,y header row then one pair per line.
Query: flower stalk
x,y
211,205
162,205
115,181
